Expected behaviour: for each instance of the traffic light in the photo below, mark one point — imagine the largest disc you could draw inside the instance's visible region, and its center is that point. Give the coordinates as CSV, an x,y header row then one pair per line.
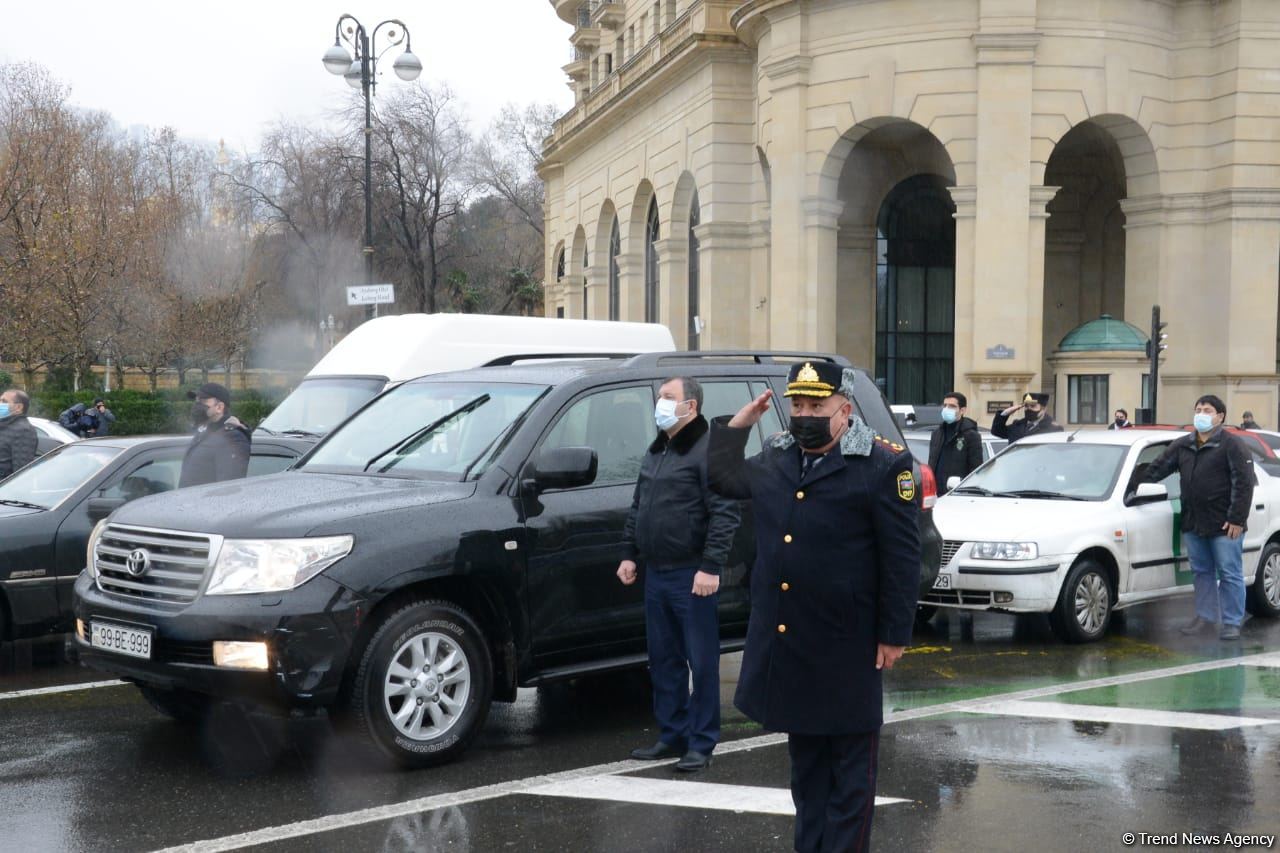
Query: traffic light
x,y
1157,344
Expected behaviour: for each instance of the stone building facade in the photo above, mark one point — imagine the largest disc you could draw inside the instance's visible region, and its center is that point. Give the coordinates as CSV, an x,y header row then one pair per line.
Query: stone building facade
x,y
940,190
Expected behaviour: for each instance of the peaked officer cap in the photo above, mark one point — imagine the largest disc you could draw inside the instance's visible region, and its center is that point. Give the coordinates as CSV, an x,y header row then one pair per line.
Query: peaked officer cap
x,y
814,379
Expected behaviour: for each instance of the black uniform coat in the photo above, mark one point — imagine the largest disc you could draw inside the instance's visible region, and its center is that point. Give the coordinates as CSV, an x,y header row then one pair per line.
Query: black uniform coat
x,y
955,450
18,443
836,573
219,451
1020,429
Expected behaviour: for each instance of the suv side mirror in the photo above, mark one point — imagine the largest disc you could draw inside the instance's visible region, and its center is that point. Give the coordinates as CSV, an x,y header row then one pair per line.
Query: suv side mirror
x,y
100,508
1147,493
563,468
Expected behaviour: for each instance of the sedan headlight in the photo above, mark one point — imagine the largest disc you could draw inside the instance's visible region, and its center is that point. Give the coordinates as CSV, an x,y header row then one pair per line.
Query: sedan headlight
x,y
93,544
1004,551
273,565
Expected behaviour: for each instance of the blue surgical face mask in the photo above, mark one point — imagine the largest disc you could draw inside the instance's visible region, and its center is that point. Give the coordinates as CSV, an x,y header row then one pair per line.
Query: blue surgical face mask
x,y
664,414
1203,422
4,410
950,416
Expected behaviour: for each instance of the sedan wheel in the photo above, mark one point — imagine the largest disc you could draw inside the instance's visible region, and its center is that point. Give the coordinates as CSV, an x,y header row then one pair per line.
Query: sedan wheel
x,y
1264,595
1084,605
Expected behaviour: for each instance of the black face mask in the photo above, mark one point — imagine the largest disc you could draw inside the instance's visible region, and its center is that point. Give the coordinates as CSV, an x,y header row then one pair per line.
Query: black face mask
x,y
199,414
1119,421
1032,416
810,432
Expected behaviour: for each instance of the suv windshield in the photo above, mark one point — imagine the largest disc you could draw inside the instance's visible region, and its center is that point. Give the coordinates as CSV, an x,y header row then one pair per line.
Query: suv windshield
x,y
318,405
45,482
1080,471
448,429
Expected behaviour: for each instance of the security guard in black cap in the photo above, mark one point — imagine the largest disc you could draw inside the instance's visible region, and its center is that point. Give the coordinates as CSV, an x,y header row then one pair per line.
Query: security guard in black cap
x,y
219,450
833,591
1034,422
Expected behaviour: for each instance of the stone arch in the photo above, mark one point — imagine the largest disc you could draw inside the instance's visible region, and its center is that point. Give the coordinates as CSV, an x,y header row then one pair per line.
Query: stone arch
x,y
1097,164
605,268
861,172
679,251
633,251
575,283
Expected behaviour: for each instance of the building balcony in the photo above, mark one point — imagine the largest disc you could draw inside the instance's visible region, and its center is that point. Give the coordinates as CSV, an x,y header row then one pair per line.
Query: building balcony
x,y
579,64
609,14
587,37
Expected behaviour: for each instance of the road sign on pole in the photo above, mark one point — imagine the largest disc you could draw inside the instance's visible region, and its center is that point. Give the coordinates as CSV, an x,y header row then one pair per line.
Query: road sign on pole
x,y
371,294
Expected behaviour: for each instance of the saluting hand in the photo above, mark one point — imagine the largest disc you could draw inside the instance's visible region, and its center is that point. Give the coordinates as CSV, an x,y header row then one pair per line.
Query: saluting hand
x,y
887,656
752,412
627,572
1011,410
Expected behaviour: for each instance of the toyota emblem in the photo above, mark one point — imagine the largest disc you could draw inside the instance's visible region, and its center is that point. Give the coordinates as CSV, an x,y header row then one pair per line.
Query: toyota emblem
x,y
138,562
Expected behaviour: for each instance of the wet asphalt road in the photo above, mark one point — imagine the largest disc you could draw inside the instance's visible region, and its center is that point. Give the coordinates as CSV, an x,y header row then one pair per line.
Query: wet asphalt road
x,y
1195,748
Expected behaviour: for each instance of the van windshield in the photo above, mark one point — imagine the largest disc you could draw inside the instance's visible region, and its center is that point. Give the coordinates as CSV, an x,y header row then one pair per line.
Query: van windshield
x,y
449,430
318,405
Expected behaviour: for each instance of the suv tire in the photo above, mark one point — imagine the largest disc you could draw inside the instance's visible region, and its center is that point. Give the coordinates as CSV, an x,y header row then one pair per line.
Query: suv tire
x,y
1264,594
421,691
185,706
1083,611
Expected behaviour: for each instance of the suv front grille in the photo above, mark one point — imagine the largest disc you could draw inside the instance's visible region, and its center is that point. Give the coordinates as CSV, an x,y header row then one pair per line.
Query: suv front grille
x,y
949,549
173,569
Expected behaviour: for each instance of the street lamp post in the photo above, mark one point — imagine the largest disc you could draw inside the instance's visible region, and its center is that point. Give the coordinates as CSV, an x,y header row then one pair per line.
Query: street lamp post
x,y
361,73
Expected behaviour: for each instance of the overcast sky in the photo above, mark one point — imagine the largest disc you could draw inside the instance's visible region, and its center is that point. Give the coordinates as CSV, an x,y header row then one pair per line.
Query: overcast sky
x,y
224,69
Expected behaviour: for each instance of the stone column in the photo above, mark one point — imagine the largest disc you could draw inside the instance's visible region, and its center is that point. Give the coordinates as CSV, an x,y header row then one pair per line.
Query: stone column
x,y
673,287
789,309
821,218
965,349
631,286
856,295
725,290
1039,198
761,270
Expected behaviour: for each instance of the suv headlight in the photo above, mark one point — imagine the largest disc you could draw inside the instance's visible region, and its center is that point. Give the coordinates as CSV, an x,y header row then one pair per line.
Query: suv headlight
x,y
1004,551
93,543
273,565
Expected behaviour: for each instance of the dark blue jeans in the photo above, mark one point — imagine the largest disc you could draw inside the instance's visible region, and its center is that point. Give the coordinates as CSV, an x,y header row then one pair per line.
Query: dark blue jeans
x,y
683,633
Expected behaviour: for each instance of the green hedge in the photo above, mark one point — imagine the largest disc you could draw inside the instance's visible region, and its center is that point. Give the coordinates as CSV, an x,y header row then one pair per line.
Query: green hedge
x,y
142,413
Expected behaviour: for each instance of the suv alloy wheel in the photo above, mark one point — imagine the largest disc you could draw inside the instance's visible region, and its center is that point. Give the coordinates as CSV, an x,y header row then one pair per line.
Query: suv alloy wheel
x,y
422,688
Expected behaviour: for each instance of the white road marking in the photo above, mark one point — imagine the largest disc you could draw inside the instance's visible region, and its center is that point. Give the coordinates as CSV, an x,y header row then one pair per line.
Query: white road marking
x,y
1107,714
1272,659
668,792
61,688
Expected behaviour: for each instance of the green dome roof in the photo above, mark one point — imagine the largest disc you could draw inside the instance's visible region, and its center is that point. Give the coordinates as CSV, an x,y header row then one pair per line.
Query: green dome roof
x,y
1106,334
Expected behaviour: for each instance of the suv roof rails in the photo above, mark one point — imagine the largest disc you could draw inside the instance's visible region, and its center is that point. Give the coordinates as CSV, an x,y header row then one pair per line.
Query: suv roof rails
x,y
504,360
653,359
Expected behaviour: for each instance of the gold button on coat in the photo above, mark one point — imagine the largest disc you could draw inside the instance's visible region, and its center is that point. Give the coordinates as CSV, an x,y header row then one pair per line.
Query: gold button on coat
x,y
785,586
787,538
782,629
800,496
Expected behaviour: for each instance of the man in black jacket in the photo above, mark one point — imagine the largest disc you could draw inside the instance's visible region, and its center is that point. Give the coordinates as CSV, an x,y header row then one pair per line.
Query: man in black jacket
x,y
955,448
1035,420
681,532
1217,479
18,437
833,592
220,448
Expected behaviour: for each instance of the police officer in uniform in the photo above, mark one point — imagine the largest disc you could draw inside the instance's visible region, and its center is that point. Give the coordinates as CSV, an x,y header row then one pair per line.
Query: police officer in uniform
x,y
833,591
1035,421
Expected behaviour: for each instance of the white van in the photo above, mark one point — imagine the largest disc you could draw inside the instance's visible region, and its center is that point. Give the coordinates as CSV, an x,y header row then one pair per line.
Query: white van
x,y
386,351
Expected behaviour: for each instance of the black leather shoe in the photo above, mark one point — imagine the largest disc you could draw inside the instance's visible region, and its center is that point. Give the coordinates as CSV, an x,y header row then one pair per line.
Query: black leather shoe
x,y
694,761
657,752
1195,626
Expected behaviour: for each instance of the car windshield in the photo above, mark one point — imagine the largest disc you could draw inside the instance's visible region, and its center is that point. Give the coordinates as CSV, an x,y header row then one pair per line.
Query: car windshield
x,y
1061,470
49,479
318,405
449,430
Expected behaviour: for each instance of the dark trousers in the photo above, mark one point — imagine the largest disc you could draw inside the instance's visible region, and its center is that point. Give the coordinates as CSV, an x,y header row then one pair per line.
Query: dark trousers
x,y
683,633
833,784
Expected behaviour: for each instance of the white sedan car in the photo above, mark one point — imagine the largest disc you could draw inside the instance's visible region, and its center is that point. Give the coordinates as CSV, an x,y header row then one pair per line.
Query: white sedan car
x,y
1059,524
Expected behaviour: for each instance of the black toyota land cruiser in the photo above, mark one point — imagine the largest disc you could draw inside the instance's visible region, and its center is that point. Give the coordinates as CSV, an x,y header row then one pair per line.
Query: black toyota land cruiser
x,y
456,538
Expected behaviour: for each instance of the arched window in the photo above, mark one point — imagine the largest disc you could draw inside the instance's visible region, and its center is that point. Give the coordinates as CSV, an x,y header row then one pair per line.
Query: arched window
x,y
915,291
615,277
694,321
560,265
585,264
651,237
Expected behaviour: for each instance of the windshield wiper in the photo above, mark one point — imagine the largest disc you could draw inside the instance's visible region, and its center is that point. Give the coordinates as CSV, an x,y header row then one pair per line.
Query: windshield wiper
x,y
972,490
429,428
1040,493
267,431
23,504
302,432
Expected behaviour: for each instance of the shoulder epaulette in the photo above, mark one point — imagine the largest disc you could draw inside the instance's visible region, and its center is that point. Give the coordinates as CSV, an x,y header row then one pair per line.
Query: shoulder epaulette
x,y
889,445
